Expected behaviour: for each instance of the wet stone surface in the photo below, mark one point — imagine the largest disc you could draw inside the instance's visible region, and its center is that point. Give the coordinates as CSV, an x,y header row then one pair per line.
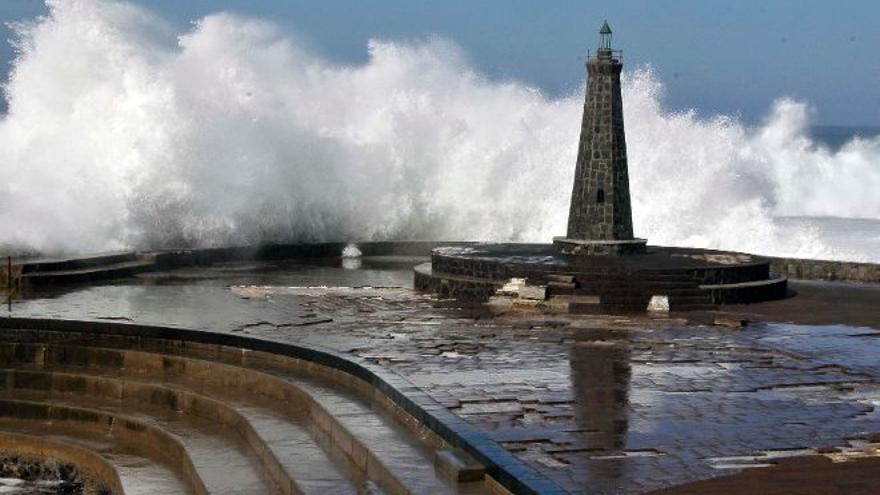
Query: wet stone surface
x,y
606,403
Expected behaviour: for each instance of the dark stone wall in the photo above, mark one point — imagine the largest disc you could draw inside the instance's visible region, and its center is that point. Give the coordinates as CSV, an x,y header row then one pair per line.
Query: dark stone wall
x,y
502,269
499,270
620,288
803,269
600,201
600,248
447,286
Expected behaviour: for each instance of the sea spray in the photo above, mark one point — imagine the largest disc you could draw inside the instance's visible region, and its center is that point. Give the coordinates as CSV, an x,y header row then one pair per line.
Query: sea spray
x,y
121,133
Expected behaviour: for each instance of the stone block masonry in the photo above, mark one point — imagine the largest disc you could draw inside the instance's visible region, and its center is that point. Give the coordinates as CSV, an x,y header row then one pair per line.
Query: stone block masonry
x,y
806,269
600,200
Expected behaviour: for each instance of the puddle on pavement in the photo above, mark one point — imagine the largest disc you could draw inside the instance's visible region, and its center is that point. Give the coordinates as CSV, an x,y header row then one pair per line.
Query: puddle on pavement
x,y
199,297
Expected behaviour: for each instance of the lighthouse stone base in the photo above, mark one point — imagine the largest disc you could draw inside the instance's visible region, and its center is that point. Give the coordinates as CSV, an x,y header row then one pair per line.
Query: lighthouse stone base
x,y
587,247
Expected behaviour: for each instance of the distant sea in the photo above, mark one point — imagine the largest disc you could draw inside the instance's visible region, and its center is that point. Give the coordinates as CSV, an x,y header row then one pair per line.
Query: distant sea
x,y
855,239
835,136
851,239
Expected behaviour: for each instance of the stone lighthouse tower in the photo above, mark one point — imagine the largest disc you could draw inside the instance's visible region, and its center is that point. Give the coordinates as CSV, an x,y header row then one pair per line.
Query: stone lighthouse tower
x,y
600,216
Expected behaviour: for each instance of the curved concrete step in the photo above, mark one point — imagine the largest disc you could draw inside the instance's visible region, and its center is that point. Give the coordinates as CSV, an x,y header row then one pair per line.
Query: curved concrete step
x,y
747,292
381,444
313,468
141,477
383,449
286,451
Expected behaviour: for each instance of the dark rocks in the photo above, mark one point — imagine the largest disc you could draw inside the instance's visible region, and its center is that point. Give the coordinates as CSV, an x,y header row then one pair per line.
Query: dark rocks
x,y
26,474
730,322
828,450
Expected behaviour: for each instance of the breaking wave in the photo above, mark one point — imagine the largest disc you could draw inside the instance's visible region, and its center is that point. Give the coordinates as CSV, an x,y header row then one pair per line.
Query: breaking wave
x,y
122,133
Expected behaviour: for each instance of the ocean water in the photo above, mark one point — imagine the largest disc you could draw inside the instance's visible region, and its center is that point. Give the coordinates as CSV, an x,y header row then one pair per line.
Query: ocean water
x,y
122,133
856,239
844,238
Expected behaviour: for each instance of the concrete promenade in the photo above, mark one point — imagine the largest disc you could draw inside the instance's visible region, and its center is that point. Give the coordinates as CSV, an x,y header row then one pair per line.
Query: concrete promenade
x,y
600,404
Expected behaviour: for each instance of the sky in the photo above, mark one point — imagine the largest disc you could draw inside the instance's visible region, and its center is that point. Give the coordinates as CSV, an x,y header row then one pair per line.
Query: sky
x,y
715,56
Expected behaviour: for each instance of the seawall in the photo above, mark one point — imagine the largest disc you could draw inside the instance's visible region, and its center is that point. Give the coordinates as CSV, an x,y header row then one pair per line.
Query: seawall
x,y
838,271
792,268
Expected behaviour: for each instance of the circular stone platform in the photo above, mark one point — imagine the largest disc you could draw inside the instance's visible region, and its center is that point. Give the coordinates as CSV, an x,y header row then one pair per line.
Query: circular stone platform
x,y
687,278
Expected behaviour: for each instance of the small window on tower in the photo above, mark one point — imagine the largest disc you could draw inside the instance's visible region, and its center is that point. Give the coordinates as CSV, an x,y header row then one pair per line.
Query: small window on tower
x,y
600,196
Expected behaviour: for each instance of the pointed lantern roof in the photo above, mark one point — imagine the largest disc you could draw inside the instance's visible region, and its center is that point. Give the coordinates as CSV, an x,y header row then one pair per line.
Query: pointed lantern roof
x,y
605,38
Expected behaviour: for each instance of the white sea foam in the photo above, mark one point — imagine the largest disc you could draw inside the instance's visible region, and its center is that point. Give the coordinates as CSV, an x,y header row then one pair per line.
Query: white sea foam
x,y
121,132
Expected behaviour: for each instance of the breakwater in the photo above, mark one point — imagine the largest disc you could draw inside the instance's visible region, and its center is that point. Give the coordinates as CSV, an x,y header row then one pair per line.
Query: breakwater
x,y
841,271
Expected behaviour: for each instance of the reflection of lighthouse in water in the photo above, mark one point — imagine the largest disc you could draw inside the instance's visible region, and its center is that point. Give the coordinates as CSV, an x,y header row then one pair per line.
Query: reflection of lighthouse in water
x,y
600,375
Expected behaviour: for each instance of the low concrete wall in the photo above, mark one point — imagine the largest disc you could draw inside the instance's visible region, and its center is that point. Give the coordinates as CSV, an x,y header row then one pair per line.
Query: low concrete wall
x,y
793,268
805,269
206,256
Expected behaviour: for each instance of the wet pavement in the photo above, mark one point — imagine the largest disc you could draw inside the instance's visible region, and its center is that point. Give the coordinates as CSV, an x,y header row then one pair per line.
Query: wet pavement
x,y
601,404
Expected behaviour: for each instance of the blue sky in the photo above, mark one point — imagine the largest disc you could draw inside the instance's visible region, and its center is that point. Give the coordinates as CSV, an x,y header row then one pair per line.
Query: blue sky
x,y
718,56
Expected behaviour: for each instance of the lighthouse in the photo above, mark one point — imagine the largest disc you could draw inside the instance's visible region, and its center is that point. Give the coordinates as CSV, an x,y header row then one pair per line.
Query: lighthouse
x,y
600,214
